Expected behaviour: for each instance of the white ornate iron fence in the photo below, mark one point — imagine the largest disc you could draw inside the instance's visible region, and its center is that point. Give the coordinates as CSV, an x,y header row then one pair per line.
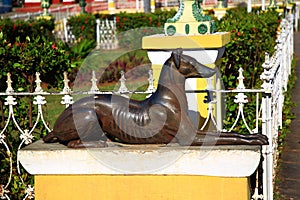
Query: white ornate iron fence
x,y
106,34
277,69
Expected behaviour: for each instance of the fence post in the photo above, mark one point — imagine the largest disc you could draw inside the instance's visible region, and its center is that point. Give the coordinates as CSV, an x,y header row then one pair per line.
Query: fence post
x,y
65,29
267,150
249,6
137,5
94,87
66,99
263,4
151,87
296,13
123,88
98,32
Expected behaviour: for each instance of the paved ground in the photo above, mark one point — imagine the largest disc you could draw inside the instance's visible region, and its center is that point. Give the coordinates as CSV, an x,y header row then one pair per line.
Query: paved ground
x,y
289,173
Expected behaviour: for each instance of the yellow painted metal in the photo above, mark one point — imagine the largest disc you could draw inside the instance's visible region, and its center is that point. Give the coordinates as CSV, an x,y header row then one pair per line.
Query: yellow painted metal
x,y
139,187
156,68
111,5
210,41
152,5
202,107
44,17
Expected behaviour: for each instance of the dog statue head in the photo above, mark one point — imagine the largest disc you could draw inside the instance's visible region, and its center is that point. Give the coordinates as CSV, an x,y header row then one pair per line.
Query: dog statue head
x,y
189,67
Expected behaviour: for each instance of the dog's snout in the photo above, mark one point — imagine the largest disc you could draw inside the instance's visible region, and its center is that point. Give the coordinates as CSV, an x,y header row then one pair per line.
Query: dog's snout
x,y
206,72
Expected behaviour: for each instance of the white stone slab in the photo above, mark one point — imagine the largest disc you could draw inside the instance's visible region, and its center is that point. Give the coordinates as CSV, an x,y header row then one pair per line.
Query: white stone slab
x,y
226,161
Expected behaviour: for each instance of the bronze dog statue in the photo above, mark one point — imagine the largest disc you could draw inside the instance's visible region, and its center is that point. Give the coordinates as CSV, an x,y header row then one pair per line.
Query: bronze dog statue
x,y
160,119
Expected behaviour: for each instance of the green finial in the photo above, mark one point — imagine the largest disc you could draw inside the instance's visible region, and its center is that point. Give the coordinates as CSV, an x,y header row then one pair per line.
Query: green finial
x,y
197,12
178,14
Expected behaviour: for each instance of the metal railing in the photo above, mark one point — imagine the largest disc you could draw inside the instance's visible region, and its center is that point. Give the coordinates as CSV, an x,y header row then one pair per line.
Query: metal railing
x,y
277,69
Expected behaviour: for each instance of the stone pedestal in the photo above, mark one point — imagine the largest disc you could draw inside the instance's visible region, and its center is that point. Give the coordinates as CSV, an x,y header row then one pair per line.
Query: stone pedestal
x,y
140,172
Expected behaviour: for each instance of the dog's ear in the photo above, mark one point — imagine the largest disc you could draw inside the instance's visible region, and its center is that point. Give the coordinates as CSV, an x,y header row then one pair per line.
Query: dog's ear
x,y
177,56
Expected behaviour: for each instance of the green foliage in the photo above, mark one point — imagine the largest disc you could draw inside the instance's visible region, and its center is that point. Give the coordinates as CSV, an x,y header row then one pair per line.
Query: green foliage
x,y
23,59
80,50
83,26
132,39
21,29
252,35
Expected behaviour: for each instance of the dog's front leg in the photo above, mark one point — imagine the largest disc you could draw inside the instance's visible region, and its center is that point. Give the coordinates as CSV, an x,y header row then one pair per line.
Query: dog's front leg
x,y
189,135
223,138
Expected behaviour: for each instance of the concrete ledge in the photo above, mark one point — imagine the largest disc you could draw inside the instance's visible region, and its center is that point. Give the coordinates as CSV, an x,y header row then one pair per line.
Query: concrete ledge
x,y
225,161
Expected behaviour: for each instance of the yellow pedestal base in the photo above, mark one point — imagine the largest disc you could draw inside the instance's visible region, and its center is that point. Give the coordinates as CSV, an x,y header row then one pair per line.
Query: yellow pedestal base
x,y
139,187
211,41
